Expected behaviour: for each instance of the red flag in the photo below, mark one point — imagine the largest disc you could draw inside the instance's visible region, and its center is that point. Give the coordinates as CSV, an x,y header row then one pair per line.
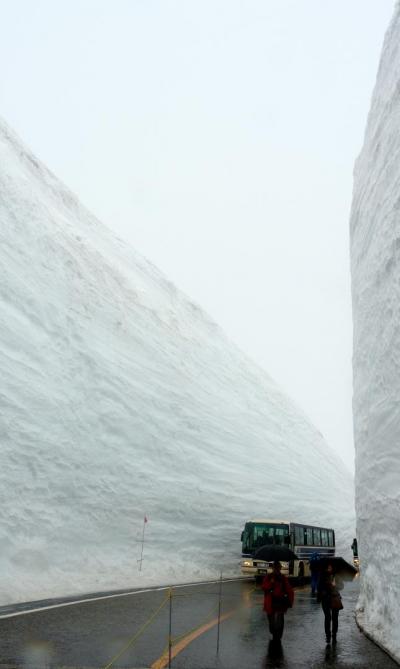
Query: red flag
x,y
145,519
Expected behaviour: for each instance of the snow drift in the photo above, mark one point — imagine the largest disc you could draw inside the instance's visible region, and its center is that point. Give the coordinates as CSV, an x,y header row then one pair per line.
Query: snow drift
x,y
375,253
120,397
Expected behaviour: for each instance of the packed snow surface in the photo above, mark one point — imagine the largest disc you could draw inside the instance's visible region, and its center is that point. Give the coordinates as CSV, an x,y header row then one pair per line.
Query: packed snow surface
x,y
119,398
375,253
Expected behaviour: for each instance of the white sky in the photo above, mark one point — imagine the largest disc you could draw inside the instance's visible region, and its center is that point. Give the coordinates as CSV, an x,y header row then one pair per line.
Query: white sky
x,y
217,137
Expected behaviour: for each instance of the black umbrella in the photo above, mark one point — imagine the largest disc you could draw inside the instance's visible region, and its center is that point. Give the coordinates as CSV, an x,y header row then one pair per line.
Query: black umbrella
x,y
272,553
339,566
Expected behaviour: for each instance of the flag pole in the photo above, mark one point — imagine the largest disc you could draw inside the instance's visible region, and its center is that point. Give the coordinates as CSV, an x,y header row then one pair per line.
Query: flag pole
x,y
170,630
141,554
219,611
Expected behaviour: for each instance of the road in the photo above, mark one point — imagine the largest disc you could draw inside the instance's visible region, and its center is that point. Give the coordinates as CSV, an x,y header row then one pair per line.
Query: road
x,y
128,632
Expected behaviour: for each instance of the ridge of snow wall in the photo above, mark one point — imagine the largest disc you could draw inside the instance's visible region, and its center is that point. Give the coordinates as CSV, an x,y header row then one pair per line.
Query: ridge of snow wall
x,y
119,398
375,263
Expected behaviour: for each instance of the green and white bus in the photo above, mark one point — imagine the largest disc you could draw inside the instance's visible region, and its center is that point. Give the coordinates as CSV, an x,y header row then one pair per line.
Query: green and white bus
x,y
302,539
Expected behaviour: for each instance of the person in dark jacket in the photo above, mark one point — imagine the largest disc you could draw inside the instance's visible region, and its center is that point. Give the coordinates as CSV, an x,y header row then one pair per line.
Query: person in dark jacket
x,y
329,596
278,597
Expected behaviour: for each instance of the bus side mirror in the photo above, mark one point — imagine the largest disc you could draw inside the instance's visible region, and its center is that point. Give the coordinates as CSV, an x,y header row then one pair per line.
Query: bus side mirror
x,y
241,536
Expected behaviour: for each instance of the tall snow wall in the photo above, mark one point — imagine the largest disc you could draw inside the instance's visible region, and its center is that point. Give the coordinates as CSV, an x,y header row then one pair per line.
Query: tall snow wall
x,y
120,397
375,259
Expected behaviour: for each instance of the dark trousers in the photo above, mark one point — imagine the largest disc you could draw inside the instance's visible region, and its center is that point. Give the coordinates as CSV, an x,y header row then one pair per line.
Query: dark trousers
x,y
276,624
330,614
314,581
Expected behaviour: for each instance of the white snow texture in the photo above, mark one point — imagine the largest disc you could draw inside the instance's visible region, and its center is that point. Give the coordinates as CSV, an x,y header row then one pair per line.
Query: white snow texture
x,y
375,253
120,397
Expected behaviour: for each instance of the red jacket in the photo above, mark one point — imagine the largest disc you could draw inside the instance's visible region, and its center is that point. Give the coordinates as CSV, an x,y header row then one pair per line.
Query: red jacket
x,y
278,593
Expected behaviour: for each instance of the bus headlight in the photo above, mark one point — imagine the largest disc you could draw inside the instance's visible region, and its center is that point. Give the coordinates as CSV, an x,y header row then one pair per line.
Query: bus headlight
x,y
247,563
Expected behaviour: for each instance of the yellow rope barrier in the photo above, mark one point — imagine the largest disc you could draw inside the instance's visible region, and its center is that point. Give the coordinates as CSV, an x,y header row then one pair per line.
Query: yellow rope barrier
x,y
174,639
137,634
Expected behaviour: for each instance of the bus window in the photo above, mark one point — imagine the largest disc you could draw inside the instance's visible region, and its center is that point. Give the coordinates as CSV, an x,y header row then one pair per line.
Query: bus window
x,y
330,538
324,537
247,538
317,537
299,536
280,533
308,536
263,534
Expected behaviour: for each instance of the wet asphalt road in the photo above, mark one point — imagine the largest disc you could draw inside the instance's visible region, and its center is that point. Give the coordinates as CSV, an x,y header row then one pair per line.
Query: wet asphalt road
x,y
91,634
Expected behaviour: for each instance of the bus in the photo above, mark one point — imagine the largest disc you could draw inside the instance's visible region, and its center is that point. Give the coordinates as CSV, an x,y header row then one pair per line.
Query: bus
x,y
302,539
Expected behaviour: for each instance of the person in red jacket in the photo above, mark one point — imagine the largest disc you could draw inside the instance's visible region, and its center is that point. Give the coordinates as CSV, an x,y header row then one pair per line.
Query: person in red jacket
x,y
278,597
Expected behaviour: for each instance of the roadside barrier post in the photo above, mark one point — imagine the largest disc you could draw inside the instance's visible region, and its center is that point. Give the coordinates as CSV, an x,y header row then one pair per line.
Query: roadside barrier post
x,y
170,630
219,611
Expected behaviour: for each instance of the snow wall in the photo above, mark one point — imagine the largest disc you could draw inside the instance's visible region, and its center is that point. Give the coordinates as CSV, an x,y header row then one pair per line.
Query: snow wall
x,y
119,398
375,255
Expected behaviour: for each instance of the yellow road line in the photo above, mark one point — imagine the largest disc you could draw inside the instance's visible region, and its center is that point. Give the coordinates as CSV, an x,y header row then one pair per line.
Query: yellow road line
x,y
177,648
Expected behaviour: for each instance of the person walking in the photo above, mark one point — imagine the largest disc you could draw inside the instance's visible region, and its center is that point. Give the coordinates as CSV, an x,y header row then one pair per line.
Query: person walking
x,y
278,597
329,596
315,571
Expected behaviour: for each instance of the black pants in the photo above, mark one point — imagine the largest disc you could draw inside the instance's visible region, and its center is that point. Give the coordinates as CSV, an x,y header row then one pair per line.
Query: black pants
x,y
330,614
276,624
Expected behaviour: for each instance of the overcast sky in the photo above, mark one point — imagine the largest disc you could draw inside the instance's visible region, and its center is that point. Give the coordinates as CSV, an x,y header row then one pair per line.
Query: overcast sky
x,y
217,137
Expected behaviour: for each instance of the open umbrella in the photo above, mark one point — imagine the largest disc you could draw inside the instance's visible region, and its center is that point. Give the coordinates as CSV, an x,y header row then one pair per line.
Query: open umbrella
x,y
271,553
339,566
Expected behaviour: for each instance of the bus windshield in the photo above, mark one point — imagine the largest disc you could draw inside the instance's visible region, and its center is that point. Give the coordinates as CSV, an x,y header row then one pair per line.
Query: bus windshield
x,y
262,534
